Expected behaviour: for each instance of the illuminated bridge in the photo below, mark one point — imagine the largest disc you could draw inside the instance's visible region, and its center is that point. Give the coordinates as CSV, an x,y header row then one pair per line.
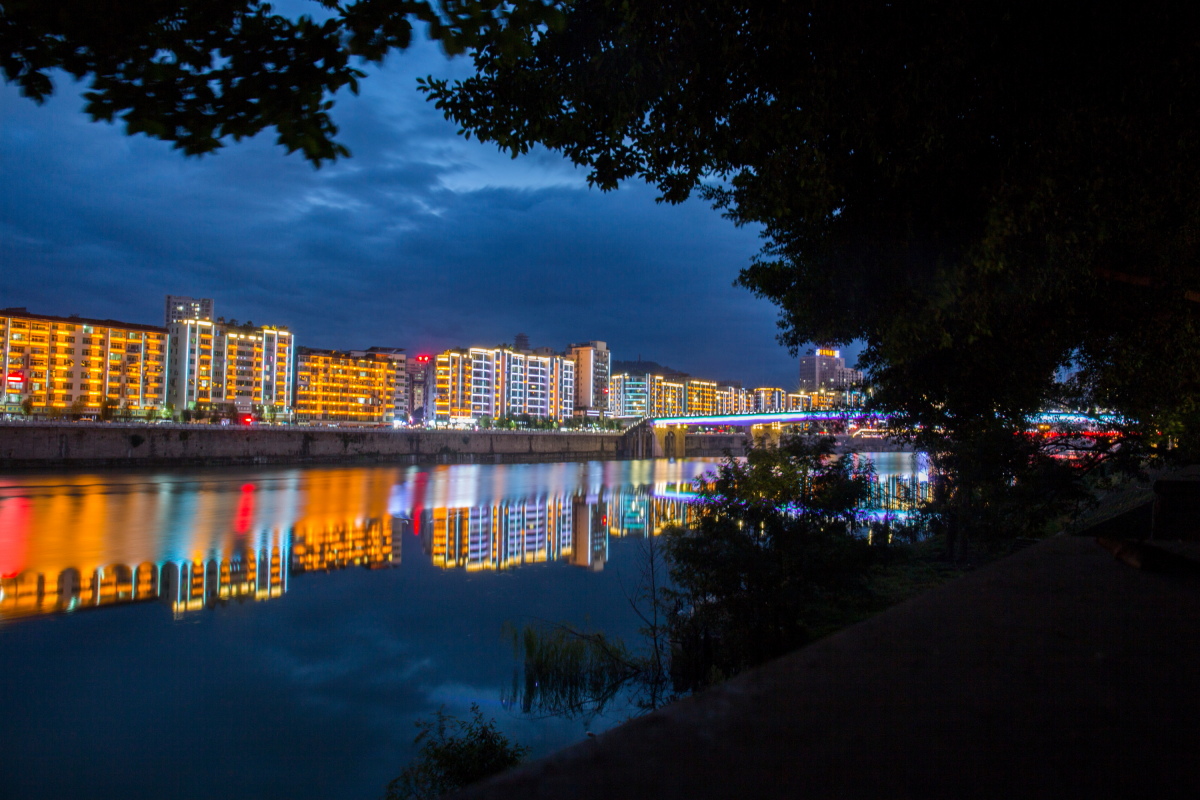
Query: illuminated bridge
x,y
862,417
773,418
665,436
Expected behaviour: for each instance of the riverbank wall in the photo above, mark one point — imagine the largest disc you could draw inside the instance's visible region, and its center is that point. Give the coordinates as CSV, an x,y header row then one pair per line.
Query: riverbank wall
x,y
41,446
106,445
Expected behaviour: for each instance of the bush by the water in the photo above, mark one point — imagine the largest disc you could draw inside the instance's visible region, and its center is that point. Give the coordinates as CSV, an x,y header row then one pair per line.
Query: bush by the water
x,y
454,753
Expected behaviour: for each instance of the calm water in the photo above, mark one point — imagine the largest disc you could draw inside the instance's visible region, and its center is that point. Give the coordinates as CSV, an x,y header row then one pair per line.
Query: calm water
x,y
277,632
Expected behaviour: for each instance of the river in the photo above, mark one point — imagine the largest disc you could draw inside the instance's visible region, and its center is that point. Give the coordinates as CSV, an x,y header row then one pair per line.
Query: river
x,y
277,632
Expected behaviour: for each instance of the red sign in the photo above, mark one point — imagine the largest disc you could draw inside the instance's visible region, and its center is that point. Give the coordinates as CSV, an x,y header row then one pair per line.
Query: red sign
x,y
16,377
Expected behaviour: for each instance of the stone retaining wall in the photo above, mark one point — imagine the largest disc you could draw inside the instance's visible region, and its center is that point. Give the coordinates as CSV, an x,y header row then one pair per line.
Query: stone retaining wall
x,y
100,445
25,446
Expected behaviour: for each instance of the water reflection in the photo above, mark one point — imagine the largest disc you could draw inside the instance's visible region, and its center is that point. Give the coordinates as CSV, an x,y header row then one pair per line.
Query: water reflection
x,y
88,541
193,540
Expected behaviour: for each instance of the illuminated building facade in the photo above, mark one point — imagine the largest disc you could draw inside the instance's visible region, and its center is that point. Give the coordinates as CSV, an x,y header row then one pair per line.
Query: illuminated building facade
x,y
334,386
768,399
499,382
823,368
51,364
401,404
216,363
452,388
700,397
629,395
638,395
666,397
593,376
734,400
180,307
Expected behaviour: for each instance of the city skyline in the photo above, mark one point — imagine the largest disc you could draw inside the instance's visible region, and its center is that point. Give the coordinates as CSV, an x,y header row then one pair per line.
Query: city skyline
x,y
421,239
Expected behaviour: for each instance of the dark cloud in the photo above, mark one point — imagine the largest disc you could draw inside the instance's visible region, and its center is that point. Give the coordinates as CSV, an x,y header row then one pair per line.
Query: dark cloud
x,y
422,239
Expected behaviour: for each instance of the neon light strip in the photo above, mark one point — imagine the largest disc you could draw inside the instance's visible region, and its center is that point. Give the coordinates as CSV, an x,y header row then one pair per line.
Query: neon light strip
x,y
824,416
767,419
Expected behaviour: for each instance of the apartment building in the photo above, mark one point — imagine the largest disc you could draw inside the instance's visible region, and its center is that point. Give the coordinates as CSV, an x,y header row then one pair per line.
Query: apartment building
x,y
220,363
700,397
593,376
629,395
638,395
499,382
180,307
402,402
349,387
51,364
768,399
824,368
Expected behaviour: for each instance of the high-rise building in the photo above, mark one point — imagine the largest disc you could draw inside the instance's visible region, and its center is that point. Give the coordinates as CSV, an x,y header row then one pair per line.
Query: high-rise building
x,y
335,386
593,373
769,400
401,402
219,363
629,395
638,395
796,401
49,363
451,400
499,382
700,397
666,397
180,307
824,369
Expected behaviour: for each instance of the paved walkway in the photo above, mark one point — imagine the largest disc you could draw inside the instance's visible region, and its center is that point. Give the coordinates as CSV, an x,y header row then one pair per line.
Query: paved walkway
x,y
1058,672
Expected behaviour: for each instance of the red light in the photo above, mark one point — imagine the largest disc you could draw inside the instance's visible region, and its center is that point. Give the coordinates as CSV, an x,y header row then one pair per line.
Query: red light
x,y
247,419
423,359
16,377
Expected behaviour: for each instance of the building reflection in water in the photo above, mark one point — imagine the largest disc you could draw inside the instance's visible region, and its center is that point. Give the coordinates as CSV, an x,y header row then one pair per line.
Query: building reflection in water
x,y
195,540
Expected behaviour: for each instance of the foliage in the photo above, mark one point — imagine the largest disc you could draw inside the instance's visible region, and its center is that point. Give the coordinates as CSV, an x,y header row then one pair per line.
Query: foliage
x,y
769,561
199,72
454,753
982,194
778,555
27,406
572,673
569,673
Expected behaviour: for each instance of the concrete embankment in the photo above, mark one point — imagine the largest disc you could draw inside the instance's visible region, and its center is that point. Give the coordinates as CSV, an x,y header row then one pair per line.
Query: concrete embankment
x,y
39,446
32,446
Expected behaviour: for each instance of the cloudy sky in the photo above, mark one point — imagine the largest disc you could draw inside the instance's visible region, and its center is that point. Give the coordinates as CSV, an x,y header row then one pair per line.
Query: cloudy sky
x,y
421,240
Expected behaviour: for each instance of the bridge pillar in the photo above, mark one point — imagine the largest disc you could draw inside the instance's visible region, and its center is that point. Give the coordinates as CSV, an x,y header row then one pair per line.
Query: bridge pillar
x,y
767,435
670,441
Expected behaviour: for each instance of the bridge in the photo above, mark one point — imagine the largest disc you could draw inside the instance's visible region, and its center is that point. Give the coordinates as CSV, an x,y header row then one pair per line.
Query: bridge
x,y
656,437
664,437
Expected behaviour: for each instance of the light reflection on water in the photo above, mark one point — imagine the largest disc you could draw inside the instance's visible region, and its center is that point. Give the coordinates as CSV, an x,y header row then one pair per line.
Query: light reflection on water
x,y
312,693
69,542
89,540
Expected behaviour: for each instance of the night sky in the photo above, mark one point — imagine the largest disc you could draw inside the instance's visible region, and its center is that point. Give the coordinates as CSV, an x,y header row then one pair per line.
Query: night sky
x,y
421,239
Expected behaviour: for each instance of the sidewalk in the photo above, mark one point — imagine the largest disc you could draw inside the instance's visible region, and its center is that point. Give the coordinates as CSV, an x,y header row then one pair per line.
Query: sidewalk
x,y
1057,672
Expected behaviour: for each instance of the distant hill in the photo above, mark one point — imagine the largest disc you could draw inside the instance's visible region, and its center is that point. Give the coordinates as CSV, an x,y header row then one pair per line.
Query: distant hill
x,y
643,367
